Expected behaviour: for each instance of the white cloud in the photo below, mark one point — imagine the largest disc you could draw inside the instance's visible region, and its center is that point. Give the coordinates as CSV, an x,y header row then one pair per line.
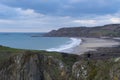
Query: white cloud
x,y
28,13
88,22
115,20
3,21
19,19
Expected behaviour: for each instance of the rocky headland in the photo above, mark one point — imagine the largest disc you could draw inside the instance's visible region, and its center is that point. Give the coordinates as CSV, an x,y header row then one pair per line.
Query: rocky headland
x,y
111,30
16,64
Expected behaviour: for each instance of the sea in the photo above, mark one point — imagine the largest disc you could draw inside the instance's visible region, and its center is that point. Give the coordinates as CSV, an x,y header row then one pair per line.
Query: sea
x,y
36,41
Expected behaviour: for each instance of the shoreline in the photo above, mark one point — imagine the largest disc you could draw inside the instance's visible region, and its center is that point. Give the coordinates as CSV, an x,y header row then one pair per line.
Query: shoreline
x,y
66,47
91,44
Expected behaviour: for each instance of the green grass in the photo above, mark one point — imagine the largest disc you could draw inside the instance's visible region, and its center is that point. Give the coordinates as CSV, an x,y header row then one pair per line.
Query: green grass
x,y
6,52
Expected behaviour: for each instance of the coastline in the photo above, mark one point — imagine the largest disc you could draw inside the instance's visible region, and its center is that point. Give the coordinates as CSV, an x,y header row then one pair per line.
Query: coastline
x,y
68,46
91,44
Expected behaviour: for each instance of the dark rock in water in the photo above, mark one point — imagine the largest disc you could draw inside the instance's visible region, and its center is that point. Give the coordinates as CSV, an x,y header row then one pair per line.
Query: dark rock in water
x,y
111,30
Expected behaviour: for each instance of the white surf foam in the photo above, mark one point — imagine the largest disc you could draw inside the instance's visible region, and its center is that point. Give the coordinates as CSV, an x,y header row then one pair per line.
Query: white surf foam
x,y
64,48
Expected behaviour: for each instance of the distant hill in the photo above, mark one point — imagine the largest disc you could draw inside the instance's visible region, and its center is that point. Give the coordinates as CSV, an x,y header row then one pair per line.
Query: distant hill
x,y
111,30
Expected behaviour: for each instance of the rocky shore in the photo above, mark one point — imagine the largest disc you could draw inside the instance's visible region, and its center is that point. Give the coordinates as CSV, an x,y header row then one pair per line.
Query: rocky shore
x,y
101,64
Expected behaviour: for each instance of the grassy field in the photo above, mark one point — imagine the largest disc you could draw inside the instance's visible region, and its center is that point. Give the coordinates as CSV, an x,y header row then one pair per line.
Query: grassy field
x,y
7,52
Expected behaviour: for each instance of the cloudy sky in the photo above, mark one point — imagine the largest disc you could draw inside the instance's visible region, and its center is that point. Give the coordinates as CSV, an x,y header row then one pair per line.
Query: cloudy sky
x,y
45,15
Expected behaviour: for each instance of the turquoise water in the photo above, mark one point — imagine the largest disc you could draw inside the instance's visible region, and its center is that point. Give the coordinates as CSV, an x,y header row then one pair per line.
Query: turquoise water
x,y
28,41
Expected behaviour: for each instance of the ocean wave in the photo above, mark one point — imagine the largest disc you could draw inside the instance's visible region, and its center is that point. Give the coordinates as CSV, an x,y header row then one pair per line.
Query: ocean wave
x,y
64,48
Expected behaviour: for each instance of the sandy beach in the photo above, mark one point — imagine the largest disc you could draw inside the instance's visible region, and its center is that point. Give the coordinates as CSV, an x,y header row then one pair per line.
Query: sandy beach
x,y
90,44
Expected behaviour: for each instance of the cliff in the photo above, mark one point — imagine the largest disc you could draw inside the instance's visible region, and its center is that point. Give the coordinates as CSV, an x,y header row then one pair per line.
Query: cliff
x,y
42,65
111,30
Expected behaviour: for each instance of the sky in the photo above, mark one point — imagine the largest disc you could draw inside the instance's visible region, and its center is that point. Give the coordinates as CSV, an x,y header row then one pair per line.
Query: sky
x,y
46,15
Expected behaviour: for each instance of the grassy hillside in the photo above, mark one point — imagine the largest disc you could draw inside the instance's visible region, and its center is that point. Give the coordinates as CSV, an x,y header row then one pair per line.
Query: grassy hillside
x,y
7,52
16,64
111,30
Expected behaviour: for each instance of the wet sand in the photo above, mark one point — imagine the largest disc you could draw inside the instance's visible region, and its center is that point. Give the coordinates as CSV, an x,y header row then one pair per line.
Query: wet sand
x,y
90,44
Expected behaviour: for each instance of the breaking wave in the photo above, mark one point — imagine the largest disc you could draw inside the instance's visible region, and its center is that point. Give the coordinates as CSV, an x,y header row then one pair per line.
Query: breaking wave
x,y
63,48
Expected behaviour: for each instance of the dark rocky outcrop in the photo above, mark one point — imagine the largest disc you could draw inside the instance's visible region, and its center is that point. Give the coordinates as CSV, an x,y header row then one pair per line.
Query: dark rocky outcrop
x,y
33,66
41,65
111,30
